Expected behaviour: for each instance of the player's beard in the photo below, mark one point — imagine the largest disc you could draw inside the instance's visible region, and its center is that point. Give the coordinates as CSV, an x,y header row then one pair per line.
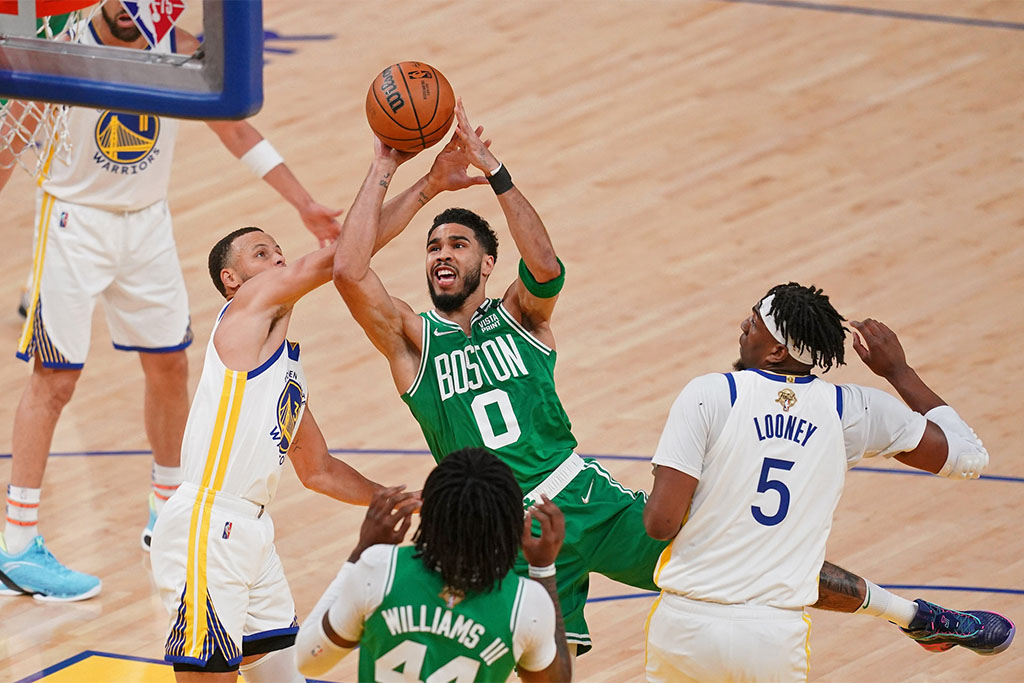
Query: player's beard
x,y
738,365
124,34
448,302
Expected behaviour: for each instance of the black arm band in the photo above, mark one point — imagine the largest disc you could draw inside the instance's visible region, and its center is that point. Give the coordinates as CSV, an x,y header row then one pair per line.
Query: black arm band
x,y
542,290
501,180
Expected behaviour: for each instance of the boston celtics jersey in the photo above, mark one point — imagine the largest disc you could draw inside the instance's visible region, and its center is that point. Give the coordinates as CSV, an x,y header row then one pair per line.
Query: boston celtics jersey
x,y
419,633
494,388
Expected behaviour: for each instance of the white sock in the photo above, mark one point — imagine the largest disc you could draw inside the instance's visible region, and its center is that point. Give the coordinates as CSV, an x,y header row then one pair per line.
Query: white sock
x,y
881,603
22,518
165,483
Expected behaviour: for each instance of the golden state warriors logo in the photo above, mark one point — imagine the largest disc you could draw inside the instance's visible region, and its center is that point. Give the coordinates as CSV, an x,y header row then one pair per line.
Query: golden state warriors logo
x,y
288,407
126,138
786,399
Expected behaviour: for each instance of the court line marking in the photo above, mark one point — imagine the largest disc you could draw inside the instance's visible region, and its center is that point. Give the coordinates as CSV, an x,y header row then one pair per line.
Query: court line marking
x,y
86,654
421,451
887,13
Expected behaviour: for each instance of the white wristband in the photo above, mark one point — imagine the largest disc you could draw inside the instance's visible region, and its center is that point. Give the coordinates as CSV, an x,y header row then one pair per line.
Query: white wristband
x,y
261,158
542,572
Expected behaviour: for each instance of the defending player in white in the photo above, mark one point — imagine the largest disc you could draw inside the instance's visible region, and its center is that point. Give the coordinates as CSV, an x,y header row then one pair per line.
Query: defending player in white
x,y
755,461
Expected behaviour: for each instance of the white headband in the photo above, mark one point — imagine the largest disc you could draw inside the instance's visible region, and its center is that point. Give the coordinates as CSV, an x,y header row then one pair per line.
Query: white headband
x,y
801,354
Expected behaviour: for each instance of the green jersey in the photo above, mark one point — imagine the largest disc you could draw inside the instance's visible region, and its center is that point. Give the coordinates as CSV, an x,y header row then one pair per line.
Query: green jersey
x,y
494,388
420,634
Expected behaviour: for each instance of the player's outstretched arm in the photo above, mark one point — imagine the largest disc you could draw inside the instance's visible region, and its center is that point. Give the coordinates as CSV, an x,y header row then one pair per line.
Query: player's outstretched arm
x,y
246,143
390,323
448,173
540,553
532,296
319,471
949,447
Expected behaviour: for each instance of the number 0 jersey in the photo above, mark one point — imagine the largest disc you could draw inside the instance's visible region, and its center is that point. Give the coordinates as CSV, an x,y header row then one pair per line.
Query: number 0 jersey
x,y
119,161
770,453
494,388
241,424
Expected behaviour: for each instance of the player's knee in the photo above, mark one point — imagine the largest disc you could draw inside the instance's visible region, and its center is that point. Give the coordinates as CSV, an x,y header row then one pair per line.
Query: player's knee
x,y
165,368
274,667
56,386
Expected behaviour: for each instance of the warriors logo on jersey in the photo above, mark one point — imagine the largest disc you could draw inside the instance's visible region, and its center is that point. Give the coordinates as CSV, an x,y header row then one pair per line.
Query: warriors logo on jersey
x,y
289,405
124,138
786,399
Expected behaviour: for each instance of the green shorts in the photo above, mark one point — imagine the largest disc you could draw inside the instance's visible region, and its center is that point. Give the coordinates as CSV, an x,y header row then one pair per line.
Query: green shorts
x,y
604,533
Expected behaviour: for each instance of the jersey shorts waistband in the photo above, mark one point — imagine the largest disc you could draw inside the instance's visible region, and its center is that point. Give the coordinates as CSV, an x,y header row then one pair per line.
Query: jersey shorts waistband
x,y
557,480
733,612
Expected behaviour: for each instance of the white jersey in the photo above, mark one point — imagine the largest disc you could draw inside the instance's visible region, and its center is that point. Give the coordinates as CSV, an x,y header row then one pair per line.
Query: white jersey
x,y
119,161
770,453
242,423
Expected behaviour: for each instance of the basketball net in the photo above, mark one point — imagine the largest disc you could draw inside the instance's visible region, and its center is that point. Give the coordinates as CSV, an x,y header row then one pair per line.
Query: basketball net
x,y
32,133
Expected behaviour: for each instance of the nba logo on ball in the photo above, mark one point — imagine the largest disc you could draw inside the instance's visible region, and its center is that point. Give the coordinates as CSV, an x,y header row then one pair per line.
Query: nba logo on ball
x,y
410,106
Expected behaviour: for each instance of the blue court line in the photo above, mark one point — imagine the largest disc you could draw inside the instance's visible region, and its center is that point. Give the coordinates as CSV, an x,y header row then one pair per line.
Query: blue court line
x,y
887,13
421,451
887,586
110,655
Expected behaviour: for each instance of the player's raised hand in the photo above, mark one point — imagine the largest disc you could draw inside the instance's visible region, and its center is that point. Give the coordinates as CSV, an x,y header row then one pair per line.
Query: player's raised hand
x,y
387,518
878,347
541,551
321,221
384,151
469,139
450,170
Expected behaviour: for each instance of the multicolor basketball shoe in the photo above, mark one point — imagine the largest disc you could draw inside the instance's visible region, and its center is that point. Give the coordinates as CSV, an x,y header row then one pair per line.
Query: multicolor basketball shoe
x,y
937,629
36,572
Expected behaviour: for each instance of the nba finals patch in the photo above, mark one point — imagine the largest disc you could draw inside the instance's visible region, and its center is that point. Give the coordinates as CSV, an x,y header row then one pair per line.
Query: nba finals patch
x,y
786,399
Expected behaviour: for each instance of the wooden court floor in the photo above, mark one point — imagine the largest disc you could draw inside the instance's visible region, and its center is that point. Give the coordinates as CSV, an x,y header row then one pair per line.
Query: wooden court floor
x,y
685,157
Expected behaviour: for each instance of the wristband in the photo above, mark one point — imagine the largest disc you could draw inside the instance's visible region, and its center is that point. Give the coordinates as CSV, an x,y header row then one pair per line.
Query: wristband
x,y
261,158
500,180
542,572
542,290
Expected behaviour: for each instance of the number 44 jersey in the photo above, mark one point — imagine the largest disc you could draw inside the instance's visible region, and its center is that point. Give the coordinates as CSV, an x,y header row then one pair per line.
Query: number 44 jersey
x,y
494,388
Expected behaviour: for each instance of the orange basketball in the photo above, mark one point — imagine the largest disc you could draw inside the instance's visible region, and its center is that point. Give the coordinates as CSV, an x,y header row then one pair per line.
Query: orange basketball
x,y
410,106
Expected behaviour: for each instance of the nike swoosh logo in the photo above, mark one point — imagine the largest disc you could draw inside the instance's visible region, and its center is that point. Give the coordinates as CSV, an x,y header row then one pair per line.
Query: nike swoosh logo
x,y
586,498
439,333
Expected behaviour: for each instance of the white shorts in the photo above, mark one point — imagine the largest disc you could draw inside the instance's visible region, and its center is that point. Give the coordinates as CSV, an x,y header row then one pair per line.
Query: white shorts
x,y
235,599
126,258
689,640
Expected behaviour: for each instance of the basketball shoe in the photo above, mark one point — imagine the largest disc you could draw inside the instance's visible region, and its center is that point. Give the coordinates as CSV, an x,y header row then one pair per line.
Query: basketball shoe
x,y
147,533
937,629
36,572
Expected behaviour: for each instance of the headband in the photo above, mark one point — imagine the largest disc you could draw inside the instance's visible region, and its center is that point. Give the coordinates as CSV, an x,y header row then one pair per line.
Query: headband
x,y
800,354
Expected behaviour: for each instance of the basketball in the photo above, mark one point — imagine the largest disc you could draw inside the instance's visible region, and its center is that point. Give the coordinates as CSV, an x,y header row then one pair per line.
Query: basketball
x,y
410,106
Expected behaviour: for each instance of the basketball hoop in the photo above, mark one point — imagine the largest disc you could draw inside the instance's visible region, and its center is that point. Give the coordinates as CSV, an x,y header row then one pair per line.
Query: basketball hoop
x,y
33,133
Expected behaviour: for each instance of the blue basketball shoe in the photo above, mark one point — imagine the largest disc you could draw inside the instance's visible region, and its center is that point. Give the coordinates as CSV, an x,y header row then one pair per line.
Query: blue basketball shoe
x,y
36,572
147,533
937,629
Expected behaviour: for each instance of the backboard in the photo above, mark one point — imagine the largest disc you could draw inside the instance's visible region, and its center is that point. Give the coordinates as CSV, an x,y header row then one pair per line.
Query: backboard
x,y
222,80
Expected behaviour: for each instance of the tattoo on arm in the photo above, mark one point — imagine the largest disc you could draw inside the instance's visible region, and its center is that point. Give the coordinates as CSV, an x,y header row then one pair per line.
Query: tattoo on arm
x,y
423,198
839,590
385,180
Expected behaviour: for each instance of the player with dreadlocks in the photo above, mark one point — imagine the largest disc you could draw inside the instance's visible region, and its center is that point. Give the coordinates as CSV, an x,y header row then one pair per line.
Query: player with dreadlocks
x,y
448,607
753,462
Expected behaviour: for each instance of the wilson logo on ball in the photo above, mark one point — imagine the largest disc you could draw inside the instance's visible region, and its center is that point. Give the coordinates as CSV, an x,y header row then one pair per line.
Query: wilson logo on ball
x,y
390,90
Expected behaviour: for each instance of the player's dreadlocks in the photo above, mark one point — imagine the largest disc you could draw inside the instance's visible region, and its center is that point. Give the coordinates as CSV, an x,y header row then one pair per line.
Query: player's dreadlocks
x,y
471,520
219,256
805,315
